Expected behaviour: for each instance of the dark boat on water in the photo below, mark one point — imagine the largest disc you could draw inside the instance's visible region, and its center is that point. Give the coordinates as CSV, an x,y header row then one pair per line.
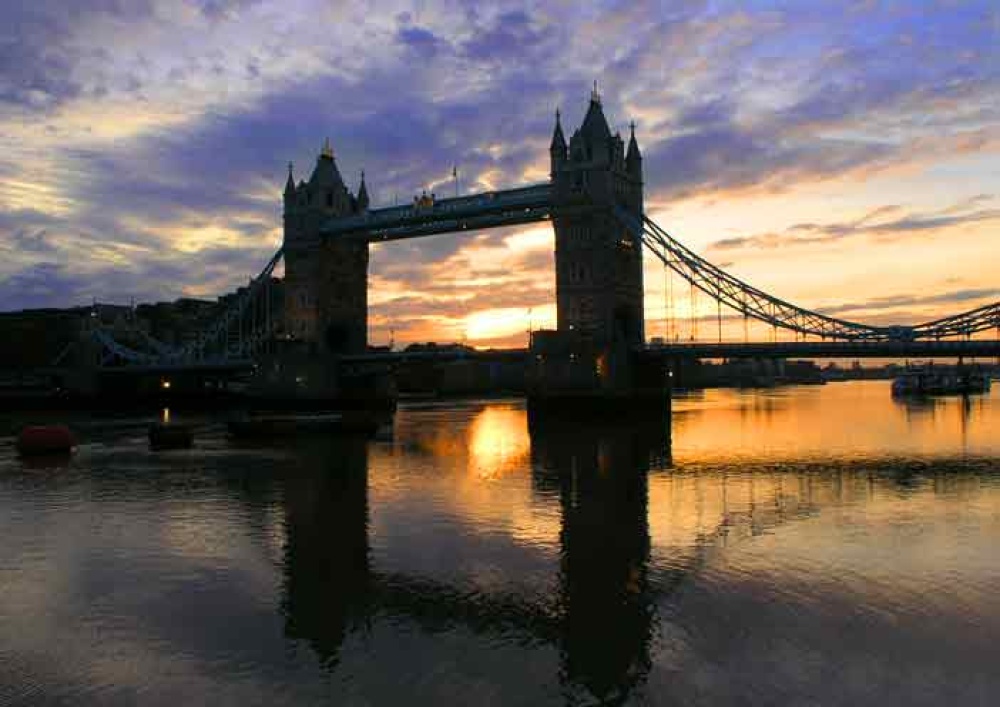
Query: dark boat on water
x,y
940,380
41,440
260,425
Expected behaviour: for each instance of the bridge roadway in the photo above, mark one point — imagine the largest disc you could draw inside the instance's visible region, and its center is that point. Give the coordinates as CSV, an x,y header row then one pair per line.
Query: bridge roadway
x,y
982,348
465,213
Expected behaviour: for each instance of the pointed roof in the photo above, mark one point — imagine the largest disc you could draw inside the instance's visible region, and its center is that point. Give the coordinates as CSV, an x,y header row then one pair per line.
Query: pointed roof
x,y
363,193
633,146
290,184
595,128
558,140
326,175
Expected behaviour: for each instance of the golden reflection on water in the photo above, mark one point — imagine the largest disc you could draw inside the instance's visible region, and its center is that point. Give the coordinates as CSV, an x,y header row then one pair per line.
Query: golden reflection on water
x,y
792,536
745,466
498,441
472,464
485,440
855,418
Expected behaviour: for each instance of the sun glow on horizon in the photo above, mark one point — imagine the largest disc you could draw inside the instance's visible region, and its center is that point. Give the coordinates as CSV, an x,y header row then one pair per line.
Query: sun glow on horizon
x,y
507,321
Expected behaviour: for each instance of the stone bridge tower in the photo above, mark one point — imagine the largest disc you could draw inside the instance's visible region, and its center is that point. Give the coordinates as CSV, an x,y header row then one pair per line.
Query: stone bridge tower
x,y
592,356
326,291
598,262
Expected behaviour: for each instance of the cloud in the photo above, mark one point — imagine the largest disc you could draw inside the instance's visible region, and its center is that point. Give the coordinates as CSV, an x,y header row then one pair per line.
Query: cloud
x,y
509,36
137,133
50,282
223,9
960,298
39,56
870,224
423,43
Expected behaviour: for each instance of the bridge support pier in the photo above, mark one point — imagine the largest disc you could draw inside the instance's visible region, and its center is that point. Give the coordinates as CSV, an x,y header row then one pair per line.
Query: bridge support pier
x,y
569,373
296,378
589,362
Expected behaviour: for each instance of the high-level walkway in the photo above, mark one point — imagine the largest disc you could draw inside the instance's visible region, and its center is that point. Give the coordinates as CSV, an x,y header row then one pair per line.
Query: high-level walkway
x,y
428,216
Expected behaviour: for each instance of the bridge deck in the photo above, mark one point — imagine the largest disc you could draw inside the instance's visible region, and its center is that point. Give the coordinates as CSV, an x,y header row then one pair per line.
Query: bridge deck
x,y
829,349
487,210
983,348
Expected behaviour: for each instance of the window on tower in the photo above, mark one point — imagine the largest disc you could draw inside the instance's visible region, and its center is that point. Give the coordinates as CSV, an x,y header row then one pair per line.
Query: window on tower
x,y
329,199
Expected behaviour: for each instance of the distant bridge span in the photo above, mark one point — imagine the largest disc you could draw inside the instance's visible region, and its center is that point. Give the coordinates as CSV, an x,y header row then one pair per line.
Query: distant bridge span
x,y
973,348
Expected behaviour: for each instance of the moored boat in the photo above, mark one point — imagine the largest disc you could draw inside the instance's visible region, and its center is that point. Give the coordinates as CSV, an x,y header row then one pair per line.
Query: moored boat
x,y
37,440
940,380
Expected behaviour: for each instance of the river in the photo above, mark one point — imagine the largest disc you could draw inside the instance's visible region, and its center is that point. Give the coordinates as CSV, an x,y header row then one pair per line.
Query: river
x,y
801,545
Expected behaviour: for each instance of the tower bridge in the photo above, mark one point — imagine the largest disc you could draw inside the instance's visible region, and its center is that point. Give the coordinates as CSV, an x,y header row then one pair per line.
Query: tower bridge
x,y
598,261
594,200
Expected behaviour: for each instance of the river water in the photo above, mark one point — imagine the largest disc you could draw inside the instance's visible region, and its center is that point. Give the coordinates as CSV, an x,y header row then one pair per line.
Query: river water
x,y
804,545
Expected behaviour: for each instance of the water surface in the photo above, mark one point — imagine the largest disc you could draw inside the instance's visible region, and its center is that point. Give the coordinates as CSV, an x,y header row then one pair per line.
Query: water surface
x,y
810,545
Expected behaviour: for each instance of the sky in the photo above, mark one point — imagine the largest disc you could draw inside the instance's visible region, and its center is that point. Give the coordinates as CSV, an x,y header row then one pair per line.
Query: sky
x,y
840,155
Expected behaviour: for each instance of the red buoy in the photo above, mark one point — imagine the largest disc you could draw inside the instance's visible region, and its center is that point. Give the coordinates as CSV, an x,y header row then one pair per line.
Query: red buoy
x,y
45,439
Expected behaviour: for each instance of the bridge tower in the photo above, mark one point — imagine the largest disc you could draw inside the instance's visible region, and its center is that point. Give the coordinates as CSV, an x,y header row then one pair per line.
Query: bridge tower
x,y
598,262
599,296
326,301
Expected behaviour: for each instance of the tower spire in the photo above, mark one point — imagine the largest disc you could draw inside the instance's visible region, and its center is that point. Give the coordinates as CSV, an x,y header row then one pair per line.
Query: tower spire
x,y
558,139
363,194
327,149
633,158
557,150
290,183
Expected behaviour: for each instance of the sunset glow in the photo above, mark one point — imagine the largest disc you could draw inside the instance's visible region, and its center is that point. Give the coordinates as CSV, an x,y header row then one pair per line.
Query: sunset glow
x,y
842,156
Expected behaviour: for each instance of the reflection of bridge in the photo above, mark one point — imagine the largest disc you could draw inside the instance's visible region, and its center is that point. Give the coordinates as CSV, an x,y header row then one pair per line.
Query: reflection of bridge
x,y
595,202
602,616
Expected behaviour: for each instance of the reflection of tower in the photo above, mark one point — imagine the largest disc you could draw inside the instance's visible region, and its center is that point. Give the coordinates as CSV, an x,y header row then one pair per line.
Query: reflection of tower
x,y
606,612
327,573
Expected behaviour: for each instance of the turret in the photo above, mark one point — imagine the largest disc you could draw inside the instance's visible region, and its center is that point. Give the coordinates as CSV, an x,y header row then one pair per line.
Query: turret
x,y
326,186
362,194
594,134
289,187
633,159
557,150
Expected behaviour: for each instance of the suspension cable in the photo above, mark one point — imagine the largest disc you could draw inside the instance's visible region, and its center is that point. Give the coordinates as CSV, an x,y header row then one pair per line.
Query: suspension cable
x,y
743,297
